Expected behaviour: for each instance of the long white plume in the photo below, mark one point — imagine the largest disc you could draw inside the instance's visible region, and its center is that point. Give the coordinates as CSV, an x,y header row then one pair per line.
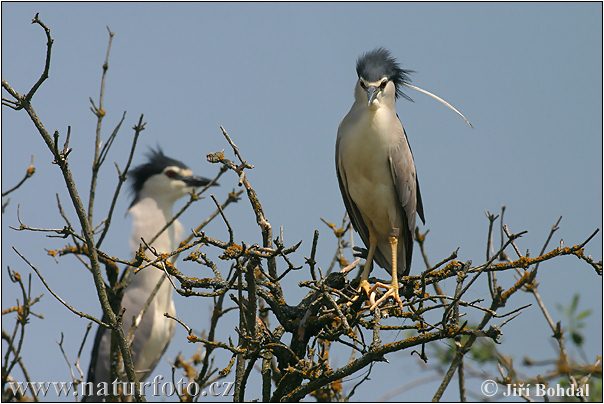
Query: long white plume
x,y
437,98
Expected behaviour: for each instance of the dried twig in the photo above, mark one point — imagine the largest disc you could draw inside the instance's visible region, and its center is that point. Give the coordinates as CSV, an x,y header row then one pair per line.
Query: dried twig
x,y
29,172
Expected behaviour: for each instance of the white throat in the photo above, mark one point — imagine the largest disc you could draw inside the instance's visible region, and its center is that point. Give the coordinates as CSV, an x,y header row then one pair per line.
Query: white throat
x,y
149,216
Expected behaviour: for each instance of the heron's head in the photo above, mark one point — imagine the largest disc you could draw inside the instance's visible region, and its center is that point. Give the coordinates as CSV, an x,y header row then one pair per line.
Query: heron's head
x,y
163,178
380,79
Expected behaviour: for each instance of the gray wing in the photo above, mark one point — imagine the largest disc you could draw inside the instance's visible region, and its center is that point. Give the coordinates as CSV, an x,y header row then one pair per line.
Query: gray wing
x,y
99,368
353,212
402,168
419,205
94,357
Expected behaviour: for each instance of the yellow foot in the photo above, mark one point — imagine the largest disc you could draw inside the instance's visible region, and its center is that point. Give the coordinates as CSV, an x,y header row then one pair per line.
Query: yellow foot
x,y
391,291
369,290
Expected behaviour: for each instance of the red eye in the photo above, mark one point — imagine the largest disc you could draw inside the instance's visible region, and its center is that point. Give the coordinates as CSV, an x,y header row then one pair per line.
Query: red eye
x,y
171,173
363,86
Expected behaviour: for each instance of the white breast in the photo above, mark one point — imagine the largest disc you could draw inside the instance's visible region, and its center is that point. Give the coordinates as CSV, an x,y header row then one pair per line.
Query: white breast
x,y
154,331
364,146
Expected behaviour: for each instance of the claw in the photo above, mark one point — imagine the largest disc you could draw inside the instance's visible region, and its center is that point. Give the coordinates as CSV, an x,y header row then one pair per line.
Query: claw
x,y
366,287
391,292
369,291
392,289
372,298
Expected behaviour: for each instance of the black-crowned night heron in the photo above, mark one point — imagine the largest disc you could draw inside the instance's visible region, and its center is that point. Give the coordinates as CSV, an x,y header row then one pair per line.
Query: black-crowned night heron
x,y
156,186
376,171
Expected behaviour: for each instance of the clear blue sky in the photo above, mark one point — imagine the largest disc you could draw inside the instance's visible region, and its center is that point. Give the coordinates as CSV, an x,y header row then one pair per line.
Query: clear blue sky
x,y
280,78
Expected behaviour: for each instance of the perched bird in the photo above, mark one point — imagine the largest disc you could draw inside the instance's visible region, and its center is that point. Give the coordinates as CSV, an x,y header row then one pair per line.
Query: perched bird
x,y
376,171
156,186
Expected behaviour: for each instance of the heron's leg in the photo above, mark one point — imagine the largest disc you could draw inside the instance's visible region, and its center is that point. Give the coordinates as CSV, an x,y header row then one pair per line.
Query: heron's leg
x,y
393,288
364,284
367,267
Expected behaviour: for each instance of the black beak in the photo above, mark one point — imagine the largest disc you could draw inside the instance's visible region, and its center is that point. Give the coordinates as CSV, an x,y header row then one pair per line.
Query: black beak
x,y
196,181
372,92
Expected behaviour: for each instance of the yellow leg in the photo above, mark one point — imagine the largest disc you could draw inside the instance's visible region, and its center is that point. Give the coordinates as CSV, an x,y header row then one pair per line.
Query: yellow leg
x,y
364,284
367,267
393,288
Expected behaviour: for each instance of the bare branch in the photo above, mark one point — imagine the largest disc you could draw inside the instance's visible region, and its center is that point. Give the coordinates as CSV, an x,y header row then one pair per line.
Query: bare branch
x,y
61,160
100,113
29,172
63,302
44,75
122,176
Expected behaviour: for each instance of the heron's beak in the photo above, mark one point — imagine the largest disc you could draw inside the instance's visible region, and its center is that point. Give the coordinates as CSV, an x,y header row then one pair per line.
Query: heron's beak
x,y
372,93
196,181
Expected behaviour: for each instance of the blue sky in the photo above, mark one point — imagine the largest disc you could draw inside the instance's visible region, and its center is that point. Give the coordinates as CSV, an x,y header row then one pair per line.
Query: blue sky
x,y
279,78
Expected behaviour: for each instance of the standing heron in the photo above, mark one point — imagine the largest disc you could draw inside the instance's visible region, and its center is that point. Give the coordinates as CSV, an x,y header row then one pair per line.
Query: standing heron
x,y
156,185
376,171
